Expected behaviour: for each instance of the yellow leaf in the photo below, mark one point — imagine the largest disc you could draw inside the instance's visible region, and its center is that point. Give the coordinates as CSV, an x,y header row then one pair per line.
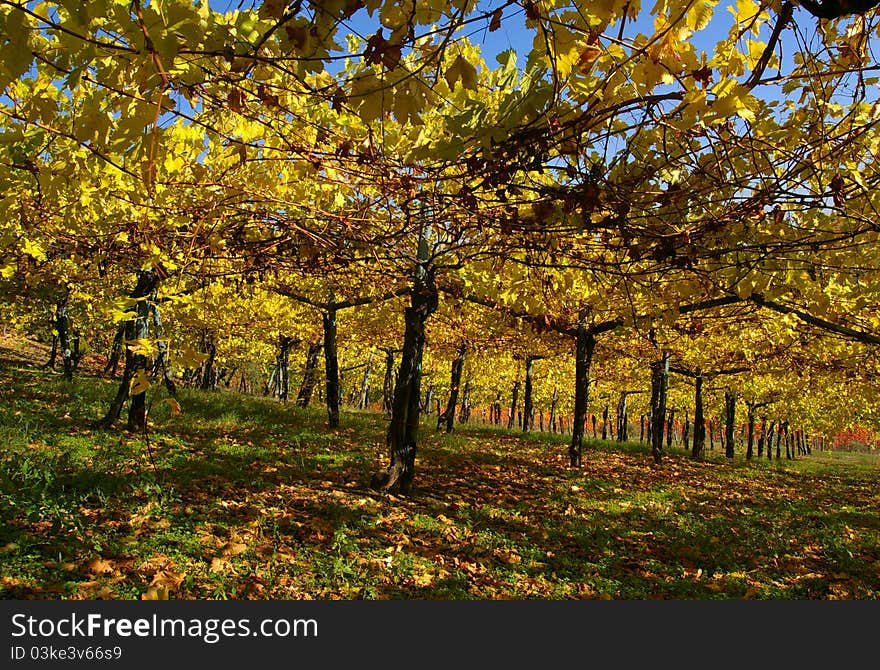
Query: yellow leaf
x,y
34,250
155,593
368,95
141,346
174,406
665,47
746,12
189,358
461,70
700,14
140,383
744,289
173,163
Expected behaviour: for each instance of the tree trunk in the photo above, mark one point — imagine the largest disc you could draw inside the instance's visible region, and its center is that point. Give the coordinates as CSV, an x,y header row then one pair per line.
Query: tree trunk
x,y
270,384
77,352
465,414
686,431
62,328
699,419
115,351
787,441
670,425
162,365
605,423
448,416
331,368
770,436
553,402
780,431
208,378
622,418
53,353
364,398
750,439
659,389
761,438
310,373
135,328
388,384
515,397
228,381
729,421
402,436
528,403
585,344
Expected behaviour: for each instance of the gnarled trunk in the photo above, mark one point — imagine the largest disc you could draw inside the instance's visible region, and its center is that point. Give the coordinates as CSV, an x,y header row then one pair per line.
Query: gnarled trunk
x,y
209,376
464,415
162,364
585,344
750,439
388,384
310,374
364,397
729,421
659,388
403,428
135,328
115,351
699,419
62,328
622,418
448,415
528,401
513,402
670,428
331,368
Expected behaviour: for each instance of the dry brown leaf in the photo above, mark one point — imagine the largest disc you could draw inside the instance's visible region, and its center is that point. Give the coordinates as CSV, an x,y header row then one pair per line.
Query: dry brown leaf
x,y
168,579
234,549
219,564
100,566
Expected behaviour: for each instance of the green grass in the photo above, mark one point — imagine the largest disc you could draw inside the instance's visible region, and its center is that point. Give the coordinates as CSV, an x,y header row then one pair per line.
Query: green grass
x,y
245,497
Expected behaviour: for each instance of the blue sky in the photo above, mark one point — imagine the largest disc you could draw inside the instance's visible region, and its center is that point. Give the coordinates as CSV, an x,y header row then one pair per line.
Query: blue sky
x,y
513,33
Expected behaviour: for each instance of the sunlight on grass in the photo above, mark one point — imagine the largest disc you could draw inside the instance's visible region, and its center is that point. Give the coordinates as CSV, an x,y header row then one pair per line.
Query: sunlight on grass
x,y
246,497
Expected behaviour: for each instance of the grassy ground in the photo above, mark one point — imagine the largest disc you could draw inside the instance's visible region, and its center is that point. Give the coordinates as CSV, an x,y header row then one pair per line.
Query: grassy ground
x,y
241,497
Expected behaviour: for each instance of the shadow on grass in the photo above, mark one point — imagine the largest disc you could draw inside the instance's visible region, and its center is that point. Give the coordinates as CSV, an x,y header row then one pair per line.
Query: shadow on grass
x,y
494,513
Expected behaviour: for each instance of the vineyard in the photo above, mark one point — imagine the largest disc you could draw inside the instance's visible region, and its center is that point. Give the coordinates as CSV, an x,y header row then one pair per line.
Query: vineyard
x,y
599,246
241,497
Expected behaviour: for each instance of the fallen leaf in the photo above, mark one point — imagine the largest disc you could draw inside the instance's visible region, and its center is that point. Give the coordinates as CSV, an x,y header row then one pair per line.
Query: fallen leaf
x,y
99,566
155,593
